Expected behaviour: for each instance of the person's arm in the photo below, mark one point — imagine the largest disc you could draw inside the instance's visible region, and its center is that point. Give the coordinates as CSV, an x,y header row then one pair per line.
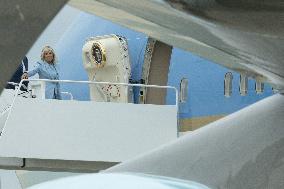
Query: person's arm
x,y
34,71
30,73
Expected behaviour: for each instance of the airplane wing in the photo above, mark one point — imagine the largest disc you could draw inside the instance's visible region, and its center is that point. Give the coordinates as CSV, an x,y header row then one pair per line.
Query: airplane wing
x,y
246,36
242,150
21,24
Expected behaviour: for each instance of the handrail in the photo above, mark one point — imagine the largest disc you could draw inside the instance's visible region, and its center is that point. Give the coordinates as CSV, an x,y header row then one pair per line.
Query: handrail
x,y
13,83
17,84
67,93
110,83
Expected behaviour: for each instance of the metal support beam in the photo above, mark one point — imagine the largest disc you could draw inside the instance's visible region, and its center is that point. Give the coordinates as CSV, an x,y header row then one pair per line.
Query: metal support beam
x,y
155,71
54,165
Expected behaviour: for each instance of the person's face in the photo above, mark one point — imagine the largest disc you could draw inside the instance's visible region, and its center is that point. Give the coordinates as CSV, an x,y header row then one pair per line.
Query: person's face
x,y
48,56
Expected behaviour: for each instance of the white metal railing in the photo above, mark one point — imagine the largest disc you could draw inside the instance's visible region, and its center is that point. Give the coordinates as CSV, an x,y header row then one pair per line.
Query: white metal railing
x,y
68,94
108,83
17,85
95,82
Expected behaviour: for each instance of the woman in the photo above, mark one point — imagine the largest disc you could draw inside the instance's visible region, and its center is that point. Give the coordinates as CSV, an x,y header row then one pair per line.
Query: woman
x,y
47,68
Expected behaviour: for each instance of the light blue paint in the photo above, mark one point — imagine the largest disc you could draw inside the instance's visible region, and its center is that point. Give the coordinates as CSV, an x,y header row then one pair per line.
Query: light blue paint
x,y
121,180
206,86
69,50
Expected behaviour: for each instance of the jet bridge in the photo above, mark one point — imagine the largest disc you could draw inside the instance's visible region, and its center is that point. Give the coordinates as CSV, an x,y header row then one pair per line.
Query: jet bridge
x,y
70,135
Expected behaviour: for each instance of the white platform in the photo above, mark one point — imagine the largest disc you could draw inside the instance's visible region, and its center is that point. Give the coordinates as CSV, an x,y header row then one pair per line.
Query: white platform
x,y
88,131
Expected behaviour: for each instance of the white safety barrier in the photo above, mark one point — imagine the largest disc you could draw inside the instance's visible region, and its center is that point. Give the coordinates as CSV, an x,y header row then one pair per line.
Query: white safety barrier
x,y
86,130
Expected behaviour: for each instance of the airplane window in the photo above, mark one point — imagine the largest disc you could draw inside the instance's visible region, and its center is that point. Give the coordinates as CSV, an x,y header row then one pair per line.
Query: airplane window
x,y
259,87
243,85
228,84
183,89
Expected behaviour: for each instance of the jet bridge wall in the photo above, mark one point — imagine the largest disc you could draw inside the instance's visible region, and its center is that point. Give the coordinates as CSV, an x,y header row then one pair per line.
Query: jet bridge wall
x,y
83,130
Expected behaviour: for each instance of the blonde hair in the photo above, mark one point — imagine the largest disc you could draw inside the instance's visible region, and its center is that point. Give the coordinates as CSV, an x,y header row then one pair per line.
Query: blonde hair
x,y
47,48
